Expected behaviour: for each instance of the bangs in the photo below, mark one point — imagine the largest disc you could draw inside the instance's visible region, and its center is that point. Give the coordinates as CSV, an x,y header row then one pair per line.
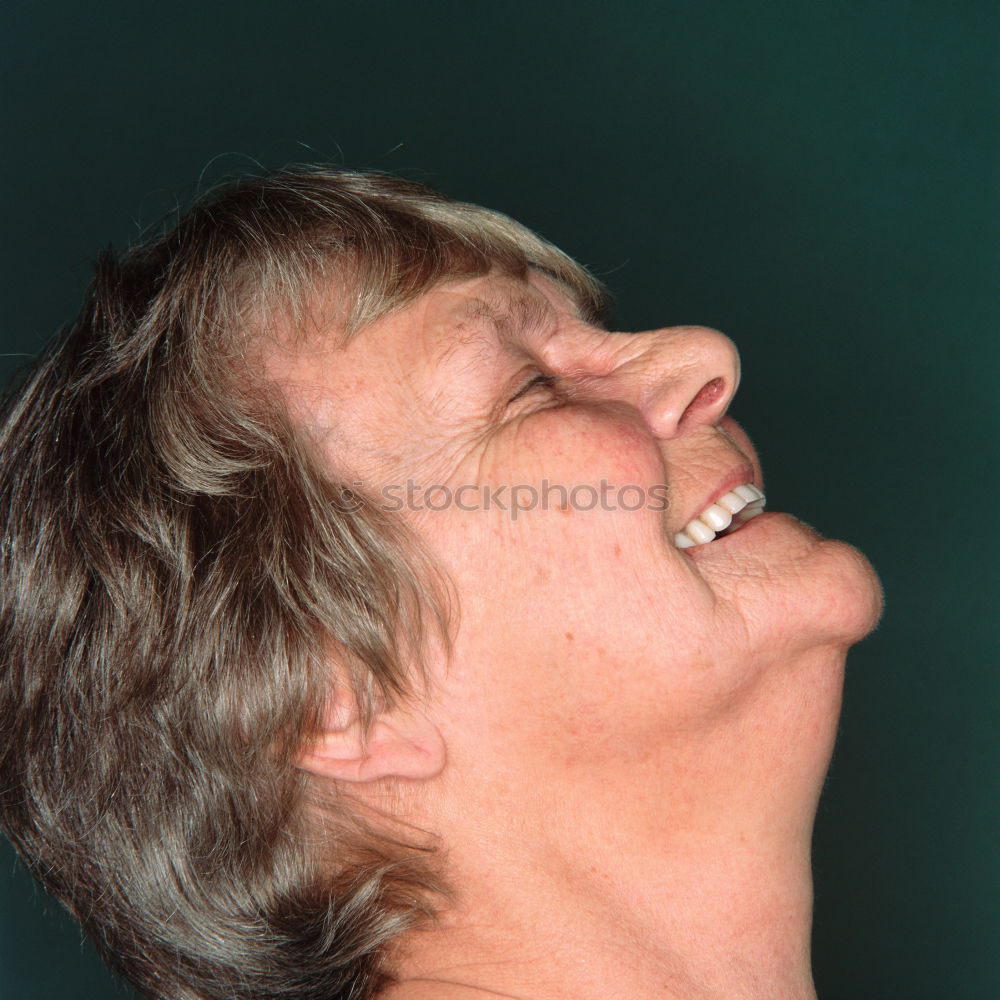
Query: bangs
x,y
279,245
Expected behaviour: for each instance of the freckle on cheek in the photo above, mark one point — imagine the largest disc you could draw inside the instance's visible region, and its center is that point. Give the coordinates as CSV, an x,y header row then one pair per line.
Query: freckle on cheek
x,y
569,636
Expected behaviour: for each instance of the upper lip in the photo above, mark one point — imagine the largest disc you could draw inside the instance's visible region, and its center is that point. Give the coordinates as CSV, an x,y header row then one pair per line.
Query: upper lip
x,y
735,477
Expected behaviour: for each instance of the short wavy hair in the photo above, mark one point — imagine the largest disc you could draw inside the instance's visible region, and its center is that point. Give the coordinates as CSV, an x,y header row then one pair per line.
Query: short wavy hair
x,y
177,573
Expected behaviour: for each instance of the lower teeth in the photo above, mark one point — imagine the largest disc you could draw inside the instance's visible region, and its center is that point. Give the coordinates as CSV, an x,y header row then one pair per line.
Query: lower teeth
x,y
748,513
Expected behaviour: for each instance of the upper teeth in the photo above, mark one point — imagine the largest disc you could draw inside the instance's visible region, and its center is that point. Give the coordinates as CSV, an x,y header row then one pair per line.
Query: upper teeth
x,y
737,507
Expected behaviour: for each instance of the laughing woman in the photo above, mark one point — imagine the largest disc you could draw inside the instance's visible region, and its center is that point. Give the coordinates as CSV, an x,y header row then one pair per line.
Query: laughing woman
x,y
376,622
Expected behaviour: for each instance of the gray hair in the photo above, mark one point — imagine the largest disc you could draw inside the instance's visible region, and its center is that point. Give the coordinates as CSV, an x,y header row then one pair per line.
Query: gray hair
x,y
177,573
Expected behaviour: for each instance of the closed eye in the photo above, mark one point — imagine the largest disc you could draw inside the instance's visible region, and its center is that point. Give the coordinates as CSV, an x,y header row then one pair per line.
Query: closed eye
x,y
535,382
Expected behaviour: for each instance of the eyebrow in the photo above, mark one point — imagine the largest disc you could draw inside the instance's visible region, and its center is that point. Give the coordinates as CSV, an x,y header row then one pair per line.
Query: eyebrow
x,y
511,314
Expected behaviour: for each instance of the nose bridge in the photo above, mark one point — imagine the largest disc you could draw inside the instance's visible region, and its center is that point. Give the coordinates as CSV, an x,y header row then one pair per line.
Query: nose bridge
x,y
677,377
687,378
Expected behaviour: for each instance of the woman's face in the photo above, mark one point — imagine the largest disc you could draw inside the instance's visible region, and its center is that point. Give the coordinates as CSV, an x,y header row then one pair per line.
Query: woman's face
x,y
584,632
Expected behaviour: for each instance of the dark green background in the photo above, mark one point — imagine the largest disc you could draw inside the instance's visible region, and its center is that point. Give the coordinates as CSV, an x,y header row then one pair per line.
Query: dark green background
x,y
819,180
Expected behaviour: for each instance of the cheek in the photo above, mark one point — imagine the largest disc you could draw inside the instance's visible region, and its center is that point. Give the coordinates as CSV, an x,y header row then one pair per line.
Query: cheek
x,y
576,445
586,496
579,594
580,527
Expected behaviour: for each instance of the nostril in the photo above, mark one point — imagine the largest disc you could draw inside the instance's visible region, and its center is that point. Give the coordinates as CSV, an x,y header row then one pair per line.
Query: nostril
x,y
708,397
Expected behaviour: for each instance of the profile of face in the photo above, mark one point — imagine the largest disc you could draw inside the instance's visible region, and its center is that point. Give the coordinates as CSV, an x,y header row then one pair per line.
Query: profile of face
x,y
599,656
606,785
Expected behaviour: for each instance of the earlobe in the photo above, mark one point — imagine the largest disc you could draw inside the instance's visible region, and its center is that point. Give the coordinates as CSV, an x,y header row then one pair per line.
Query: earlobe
x,y
401,743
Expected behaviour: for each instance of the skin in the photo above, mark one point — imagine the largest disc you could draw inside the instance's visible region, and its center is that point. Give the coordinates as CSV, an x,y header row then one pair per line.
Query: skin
x,y
623,755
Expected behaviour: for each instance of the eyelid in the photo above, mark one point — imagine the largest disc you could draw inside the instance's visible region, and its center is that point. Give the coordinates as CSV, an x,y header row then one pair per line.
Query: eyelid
x,y
536,381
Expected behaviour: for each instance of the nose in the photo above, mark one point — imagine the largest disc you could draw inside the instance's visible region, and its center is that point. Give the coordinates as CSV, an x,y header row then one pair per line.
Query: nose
x,y
678,378
688,378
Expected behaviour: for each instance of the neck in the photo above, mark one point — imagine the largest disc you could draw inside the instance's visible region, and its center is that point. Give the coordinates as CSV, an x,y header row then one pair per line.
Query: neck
x,y
713,921
687,878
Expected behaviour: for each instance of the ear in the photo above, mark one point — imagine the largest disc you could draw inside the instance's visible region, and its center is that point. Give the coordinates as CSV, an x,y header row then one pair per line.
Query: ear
x,y
401,743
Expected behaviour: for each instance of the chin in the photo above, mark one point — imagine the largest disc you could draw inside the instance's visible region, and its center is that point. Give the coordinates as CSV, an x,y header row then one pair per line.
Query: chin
x,y
855,599
803,591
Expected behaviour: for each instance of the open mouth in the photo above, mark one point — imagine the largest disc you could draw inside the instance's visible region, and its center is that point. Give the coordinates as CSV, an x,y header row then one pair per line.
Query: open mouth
x,y
728,514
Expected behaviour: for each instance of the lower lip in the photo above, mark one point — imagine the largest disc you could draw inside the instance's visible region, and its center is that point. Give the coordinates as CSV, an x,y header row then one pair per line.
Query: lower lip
x,y
752,527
